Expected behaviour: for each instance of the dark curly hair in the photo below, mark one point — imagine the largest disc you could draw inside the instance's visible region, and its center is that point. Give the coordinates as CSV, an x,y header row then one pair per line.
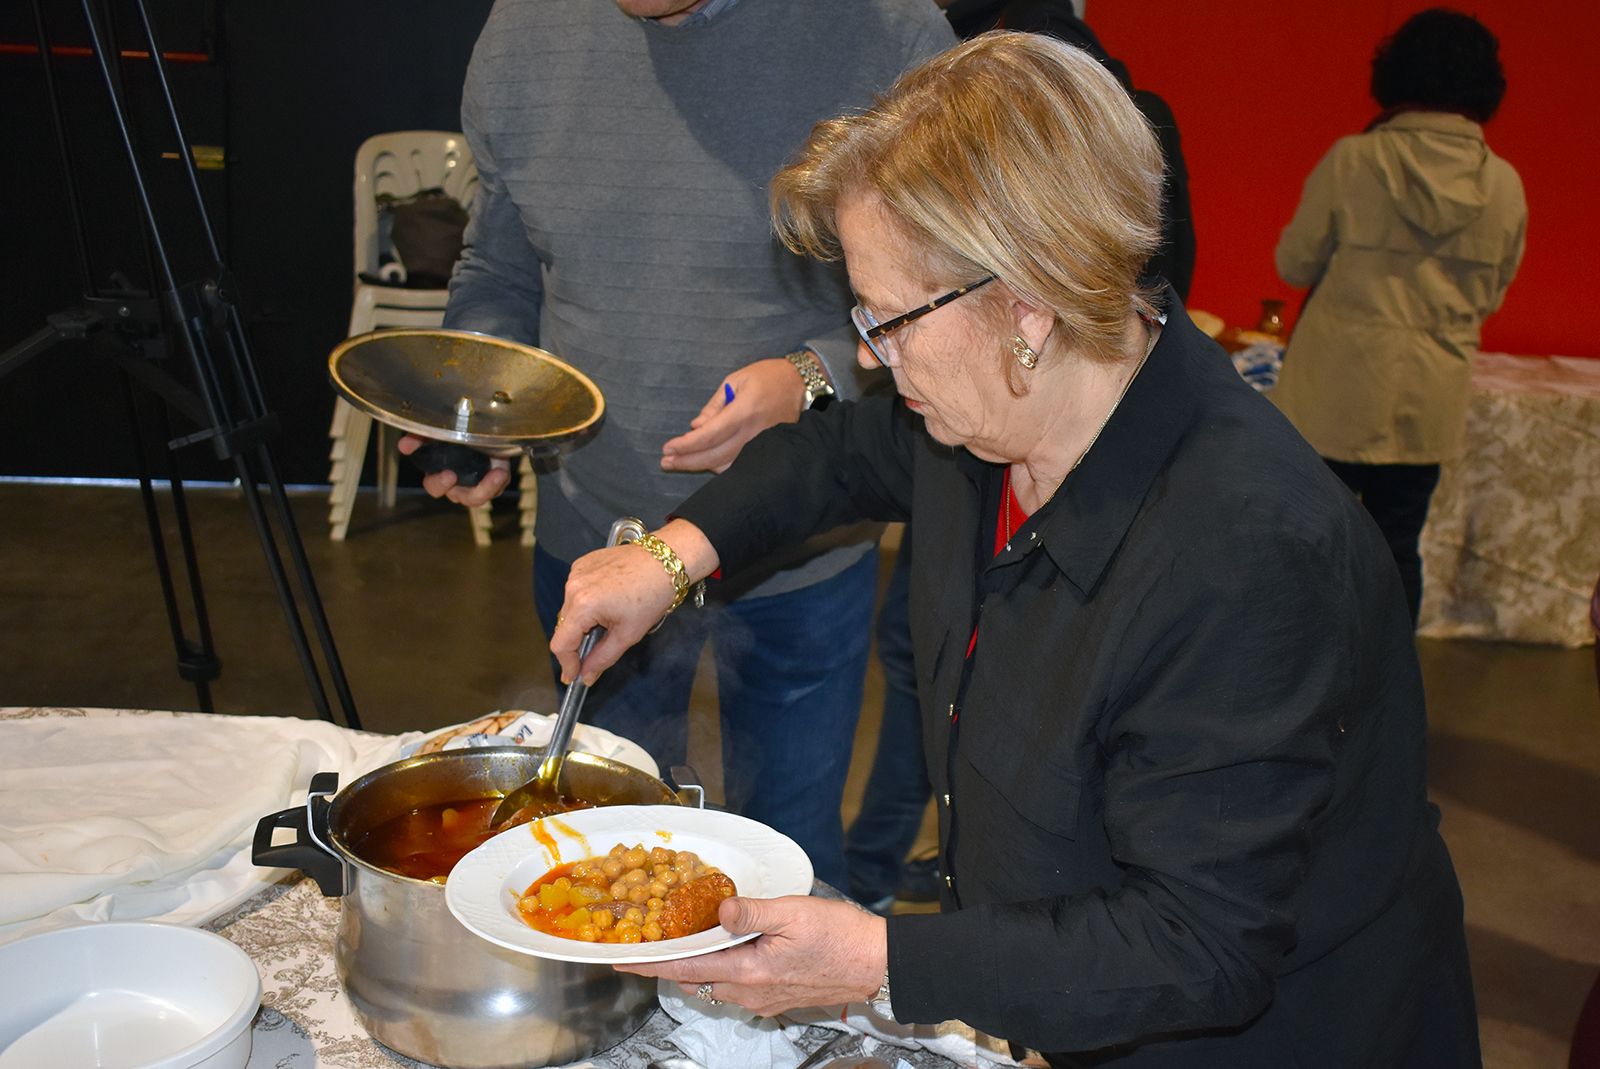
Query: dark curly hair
x,y
1440,59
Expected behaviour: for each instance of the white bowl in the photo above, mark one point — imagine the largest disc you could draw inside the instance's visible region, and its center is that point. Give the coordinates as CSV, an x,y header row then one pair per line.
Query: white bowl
x,y
126,996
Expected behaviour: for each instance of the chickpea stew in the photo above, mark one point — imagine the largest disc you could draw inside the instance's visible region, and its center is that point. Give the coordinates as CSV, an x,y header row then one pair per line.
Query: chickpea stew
x,y
630,895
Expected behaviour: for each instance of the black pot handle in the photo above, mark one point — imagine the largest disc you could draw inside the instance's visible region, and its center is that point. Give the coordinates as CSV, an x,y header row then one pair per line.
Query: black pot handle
x,y
310,824
686,783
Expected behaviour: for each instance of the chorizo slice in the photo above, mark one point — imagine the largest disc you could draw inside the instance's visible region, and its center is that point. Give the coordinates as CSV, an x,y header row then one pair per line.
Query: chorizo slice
x,y
692,907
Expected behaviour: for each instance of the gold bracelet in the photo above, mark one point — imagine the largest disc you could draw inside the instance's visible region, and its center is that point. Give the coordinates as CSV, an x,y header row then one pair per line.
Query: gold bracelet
x,y
671,562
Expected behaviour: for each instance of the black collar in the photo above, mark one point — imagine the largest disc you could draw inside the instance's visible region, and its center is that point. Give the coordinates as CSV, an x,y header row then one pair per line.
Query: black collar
x,y
1087,519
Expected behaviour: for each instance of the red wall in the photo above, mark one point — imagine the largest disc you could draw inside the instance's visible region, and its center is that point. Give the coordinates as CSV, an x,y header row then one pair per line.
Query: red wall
x,y
1261,88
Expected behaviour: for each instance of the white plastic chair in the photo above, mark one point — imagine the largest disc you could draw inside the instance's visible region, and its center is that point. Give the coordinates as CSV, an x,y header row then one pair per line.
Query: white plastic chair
x,y
397,164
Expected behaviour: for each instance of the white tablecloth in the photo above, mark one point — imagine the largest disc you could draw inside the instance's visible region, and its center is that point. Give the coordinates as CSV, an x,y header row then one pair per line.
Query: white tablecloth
x,y
121,814
1512,546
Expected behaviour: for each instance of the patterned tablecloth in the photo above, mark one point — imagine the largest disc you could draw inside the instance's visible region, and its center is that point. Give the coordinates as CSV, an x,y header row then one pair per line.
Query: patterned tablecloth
x,y
306,1022
1512,546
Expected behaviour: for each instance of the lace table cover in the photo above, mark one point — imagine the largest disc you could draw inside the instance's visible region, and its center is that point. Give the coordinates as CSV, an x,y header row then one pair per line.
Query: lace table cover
x,y
1512,546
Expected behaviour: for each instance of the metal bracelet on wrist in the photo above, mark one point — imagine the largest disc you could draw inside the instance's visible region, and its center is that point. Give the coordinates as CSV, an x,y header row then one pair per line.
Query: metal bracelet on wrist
x,y
816,383
676,571
879,1003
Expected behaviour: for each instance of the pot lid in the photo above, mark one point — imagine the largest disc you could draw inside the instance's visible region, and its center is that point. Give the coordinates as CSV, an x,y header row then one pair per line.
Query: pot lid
x,y
460,386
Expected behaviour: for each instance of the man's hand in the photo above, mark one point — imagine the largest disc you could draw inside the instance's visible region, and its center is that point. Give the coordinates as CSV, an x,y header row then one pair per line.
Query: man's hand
x,y
443,483
812,952
765,393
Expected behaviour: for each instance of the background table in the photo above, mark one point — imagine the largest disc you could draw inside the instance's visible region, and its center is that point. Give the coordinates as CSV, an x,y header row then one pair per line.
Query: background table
x,y
1512,546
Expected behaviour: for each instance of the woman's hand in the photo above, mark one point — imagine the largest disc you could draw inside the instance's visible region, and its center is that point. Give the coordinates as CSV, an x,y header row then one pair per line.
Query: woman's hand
x,y
765,393
812,952
443,483
626,591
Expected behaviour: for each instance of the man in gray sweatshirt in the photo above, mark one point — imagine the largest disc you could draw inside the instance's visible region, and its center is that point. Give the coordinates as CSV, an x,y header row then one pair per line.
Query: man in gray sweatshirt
x,y
624,152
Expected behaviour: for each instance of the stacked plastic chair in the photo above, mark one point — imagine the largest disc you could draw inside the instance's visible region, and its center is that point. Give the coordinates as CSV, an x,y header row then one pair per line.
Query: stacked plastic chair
x,y
398,165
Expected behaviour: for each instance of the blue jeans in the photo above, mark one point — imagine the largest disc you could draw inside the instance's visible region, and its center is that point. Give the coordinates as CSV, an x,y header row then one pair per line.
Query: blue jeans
x,y
898,787
789,677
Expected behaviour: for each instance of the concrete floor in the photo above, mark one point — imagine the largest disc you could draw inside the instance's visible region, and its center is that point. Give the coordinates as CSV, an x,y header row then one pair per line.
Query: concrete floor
x,y
433,630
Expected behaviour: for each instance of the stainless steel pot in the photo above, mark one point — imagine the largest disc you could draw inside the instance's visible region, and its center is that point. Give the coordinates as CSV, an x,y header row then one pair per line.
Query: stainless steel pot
x,y
419,982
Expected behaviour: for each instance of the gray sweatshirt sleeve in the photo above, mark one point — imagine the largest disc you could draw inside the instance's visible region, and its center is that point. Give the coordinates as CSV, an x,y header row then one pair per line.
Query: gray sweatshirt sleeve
x,y
497,285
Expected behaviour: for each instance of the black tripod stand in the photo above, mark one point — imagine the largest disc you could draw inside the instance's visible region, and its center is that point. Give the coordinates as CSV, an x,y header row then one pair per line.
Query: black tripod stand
x,y
193,314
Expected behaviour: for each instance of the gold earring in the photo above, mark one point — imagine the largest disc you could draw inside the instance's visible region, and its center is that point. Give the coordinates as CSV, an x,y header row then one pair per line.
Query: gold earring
x,y
1024,352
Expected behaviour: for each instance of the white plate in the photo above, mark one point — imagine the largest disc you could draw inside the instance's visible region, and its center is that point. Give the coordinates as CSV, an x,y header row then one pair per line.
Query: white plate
x,y
484,887
126,996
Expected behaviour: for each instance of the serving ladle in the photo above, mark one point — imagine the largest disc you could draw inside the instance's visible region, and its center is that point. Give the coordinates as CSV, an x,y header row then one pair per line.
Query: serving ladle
x,y
544,789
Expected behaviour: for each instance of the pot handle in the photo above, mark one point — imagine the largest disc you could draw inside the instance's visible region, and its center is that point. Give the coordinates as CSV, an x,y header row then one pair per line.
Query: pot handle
x,y
309,852
685,780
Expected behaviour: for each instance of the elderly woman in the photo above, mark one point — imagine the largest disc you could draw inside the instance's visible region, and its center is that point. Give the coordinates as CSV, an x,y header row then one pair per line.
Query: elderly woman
x,y
1172,712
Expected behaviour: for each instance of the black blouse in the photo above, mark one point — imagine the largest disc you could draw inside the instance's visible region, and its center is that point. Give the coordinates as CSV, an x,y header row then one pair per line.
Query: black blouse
x,y
1181,779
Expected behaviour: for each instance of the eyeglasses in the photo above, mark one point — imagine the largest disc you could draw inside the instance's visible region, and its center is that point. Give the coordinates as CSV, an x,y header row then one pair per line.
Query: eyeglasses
x,y
874,334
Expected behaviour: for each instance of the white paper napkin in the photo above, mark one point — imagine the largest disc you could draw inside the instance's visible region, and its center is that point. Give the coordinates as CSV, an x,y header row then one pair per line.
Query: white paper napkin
x,y
533,729
731,1037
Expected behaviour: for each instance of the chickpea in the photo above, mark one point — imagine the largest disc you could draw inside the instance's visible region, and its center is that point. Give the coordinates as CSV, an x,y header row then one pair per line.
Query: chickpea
x,y
612,867
634,858
685,861
655,903
619,890
603,919
658,889
668,878
634,917
589,933
651,931
618,851
661,856
635,878
628,933
582,869
639,895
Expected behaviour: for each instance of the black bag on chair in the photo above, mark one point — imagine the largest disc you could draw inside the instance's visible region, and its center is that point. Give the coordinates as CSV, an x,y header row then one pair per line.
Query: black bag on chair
x,y
425,230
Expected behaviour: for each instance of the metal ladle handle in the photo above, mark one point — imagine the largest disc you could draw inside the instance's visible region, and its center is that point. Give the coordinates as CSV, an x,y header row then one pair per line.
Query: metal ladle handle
x,y
571,702
627,529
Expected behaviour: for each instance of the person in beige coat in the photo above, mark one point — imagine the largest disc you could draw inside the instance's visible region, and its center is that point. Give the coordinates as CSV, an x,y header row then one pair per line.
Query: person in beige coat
x,y
1409,235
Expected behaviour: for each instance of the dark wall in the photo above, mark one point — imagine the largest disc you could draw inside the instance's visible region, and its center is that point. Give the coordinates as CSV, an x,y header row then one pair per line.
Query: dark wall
x,y
290,90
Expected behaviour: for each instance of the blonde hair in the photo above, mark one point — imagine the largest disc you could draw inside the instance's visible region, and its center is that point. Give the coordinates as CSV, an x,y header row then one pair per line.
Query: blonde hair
x,y
1013,154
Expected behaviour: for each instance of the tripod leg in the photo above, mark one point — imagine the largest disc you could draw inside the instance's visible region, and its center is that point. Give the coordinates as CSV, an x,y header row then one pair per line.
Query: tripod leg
x,y
197,661
250,485
308,588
